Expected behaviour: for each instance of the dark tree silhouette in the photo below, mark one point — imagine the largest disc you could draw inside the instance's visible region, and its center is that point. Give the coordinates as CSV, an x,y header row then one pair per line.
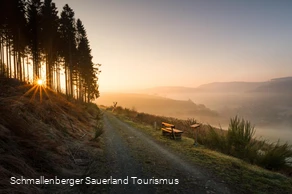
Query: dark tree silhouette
x,y
32,30
68,46
87,73
49,37
17,28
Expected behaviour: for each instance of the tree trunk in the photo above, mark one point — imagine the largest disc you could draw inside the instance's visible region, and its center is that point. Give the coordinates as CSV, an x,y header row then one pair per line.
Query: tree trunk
x,y
9,58
19,66
1,56
23,69
15,65
27,70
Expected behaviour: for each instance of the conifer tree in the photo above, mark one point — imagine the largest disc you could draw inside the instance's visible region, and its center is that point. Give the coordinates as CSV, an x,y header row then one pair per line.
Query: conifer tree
x,y
34,30
49,37
68,46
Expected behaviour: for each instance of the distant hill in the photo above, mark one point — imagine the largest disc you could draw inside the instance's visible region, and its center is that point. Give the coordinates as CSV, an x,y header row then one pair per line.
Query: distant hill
x,y
229,86
169,89
157,105
275,85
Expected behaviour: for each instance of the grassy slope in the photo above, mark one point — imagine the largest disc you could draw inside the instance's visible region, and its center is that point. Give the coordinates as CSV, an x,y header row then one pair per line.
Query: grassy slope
x,y
157,105
244,177
43,138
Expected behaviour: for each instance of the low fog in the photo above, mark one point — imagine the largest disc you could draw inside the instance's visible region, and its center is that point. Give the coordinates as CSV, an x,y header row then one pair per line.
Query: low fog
x,y
271,113
267,105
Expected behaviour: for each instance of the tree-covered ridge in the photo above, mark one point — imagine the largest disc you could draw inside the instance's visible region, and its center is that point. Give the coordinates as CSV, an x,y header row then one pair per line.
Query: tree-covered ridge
x,y
37,42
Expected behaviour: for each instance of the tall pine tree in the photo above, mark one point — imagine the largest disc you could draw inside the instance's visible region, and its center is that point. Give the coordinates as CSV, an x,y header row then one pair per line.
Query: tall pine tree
x,y
68,47
34,29
49,37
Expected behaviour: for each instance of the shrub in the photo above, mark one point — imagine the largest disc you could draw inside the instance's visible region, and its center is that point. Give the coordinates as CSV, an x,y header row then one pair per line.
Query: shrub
x,y
216,140
239,136
276,156
98,130
92,109
254,150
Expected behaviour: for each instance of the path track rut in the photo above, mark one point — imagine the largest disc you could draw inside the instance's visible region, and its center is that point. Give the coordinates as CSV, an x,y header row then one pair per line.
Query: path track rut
x,y
132,153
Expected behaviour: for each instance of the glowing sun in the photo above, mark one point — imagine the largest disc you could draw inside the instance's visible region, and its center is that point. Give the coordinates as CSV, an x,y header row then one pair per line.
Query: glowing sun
x,y
40,82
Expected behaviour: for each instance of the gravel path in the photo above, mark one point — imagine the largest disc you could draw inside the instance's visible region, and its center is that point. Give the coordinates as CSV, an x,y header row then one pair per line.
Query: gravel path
x,y
131,153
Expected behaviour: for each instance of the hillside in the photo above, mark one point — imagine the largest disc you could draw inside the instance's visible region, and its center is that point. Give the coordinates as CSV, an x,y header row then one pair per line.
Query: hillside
x,y
157,105
169,89
267,104
272,86
237,175
277,85
43,134
229,86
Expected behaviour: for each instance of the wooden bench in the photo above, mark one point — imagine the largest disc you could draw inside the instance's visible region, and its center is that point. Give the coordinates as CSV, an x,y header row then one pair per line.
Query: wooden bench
x,y
169,130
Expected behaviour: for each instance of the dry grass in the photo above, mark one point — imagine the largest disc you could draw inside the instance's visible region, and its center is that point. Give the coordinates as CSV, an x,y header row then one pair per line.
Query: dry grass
x,y
40,136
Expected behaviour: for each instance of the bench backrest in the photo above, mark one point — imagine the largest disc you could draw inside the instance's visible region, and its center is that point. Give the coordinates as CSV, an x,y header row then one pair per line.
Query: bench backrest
x,y
167,125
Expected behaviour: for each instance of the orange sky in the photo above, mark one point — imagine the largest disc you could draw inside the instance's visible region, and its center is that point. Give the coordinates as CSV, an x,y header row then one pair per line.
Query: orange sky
x,y
143,44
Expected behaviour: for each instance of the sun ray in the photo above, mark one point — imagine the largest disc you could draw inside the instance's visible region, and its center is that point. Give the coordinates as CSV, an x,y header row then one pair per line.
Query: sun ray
x,y
46,93
34,94
30,90
41,95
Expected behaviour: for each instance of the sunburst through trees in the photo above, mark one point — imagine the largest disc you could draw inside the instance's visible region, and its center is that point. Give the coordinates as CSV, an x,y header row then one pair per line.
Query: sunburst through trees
x,y
37,42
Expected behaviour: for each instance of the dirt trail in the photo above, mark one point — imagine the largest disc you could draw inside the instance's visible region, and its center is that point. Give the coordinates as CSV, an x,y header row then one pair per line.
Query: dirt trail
x,y
131,153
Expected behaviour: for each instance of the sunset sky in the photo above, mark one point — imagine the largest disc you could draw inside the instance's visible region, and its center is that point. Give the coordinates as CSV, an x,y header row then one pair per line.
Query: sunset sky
x,y
148,43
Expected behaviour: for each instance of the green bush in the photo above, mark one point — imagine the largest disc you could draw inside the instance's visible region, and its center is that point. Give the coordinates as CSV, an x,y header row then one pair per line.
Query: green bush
x,y
253,151
216,140
239,136
98,130
275,157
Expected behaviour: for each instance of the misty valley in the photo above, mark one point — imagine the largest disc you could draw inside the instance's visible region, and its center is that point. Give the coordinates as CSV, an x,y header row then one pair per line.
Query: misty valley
x,y
267,105
270,113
